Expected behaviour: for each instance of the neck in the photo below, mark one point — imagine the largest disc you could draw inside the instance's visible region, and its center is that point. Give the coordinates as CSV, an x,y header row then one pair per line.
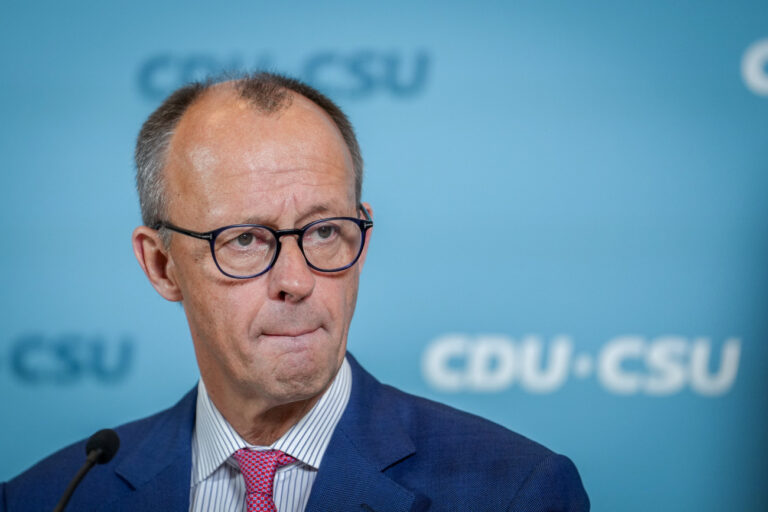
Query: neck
x,y
257,422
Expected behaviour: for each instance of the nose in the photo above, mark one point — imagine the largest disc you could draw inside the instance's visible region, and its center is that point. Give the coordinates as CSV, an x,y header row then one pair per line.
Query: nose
x,y
290,278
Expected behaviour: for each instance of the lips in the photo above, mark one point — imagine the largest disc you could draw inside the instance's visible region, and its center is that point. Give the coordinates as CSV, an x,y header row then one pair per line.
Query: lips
x,y
289,333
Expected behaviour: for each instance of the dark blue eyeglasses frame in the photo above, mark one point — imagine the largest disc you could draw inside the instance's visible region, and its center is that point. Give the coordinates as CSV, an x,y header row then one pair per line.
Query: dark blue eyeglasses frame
x,y
210,236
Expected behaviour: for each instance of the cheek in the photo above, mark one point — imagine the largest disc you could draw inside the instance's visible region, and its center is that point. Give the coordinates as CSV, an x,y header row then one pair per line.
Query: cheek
x,y
345,295
203,316
218,311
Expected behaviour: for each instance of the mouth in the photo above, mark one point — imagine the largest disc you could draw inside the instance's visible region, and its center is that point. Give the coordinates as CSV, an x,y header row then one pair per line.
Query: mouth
x,y
291,340
289,333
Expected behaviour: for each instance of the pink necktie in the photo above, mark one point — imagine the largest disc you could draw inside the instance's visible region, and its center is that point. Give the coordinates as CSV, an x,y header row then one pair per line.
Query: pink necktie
x,y
258,468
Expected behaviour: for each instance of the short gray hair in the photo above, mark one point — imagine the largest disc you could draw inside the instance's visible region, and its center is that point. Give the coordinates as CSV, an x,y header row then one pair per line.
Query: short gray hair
x,y
267,92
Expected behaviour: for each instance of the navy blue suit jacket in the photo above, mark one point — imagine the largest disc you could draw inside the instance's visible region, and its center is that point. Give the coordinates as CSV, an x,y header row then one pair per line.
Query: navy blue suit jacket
x,y
390,452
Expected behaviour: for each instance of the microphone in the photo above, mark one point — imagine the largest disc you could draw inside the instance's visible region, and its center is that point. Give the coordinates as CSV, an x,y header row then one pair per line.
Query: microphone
x,y
100,449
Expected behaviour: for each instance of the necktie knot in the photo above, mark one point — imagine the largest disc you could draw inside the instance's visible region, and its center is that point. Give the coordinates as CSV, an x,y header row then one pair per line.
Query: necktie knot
x,y
258,469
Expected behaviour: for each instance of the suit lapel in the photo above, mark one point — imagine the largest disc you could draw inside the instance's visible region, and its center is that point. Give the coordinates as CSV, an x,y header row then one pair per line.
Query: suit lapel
x,y
159,468
348,481
368,439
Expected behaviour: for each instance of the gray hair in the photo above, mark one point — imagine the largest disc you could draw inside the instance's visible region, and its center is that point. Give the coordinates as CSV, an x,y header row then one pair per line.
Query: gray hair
x,y
267,92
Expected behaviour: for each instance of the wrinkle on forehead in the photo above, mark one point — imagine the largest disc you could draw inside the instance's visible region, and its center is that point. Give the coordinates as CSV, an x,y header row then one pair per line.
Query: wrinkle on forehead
x,y
221,110
225,148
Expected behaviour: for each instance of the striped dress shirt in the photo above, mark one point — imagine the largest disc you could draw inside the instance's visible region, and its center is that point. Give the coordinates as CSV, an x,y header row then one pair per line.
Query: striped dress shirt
x,y
216,480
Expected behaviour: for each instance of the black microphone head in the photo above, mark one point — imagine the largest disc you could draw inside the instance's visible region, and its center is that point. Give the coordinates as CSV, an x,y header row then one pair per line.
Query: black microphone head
x,y
106,441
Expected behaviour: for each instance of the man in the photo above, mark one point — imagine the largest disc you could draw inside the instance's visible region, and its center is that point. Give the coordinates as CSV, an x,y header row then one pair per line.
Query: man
x,y
250,195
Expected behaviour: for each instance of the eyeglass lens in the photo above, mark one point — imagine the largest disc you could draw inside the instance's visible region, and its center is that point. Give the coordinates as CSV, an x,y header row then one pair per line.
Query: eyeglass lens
x,y
329,245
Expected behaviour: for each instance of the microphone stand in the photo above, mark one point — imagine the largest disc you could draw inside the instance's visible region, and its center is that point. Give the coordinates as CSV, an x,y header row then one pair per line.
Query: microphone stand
x,y
90,461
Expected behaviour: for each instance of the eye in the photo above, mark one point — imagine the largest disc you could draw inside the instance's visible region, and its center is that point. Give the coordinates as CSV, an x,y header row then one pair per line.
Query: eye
x,y
322,233
244,239
325,231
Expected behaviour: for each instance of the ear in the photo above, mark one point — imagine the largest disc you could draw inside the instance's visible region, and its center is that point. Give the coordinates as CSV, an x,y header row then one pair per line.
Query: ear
x,y
368,235
155,262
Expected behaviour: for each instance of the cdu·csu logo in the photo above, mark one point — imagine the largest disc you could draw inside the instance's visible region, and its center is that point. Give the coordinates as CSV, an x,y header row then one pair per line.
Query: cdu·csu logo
x,y
354,74
625,365
35,358
754,67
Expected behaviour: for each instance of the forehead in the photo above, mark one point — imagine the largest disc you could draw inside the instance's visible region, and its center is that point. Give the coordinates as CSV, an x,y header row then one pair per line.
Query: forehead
x,y
224,144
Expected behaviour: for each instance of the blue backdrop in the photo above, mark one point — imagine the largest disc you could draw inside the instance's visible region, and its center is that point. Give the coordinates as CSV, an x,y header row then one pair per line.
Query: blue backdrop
x,y
571,220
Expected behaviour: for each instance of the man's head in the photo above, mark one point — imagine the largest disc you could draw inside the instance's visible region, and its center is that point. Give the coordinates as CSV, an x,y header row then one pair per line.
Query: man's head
x,y
251,151
267,92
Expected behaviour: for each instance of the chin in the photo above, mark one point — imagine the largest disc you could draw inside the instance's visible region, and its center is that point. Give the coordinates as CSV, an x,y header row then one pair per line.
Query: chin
x,y
302,380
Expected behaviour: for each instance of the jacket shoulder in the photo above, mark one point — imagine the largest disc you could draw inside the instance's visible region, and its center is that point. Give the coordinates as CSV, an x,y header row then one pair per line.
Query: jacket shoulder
x,y
461,459
432,423
41,486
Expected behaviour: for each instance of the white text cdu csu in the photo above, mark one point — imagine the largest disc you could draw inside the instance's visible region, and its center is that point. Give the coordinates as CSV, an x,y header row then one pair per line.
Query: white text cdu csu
x,y
625,365
754,67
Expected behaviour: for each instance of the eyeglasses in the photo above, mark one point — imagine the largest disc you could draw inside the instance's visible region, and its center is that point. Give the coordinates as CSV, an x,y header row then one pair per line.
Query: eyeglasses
x,y
243,251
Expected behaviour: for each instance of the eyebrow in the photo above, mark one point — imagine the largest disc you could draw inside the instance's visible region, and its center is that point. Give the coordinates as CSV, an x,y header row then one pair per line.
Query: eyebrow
x,y
321,208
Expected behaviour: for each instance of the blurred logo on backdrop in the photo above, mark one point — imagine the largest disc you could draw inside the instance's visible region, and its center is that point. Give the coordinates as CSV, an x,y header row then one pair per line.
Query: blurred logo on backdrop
x,y
356,74
39,359
625,365
754,67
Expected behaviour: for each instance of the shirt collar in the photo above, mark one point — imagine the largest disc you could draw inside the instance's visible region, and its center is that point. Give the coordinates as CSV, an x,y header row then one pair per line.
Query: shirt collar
x,y
214,440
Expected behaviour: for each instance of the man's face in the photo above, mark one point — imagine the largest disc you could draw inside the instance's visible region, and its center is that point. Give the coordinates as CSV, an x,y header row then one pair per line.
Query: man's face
x,y
279,337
